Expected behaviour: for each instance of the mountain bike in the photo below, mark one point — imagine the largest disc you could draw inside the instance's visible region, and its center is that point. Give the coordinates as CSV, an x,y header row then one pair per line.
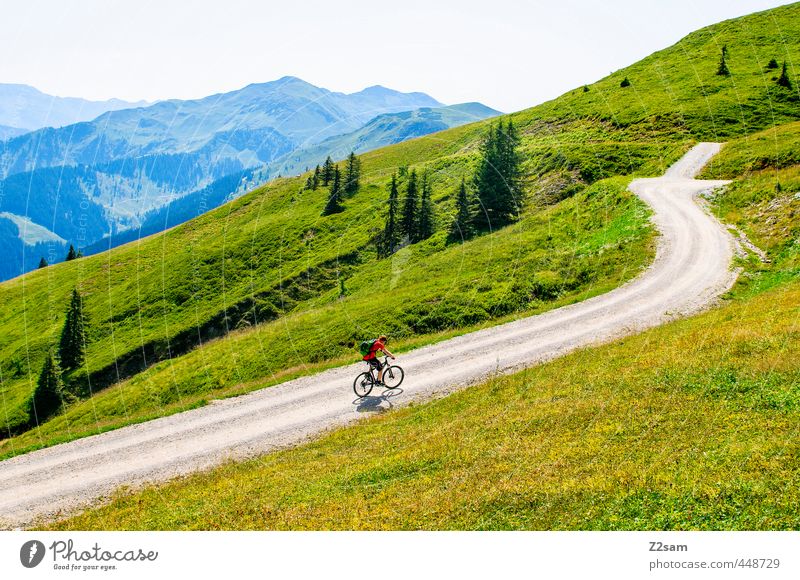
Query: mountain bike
x,y
392,377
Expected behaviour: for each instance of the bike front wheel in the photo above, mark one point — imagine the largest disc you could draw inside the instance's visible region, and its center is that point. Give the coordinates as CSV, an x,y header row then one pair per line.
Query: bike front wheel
x,y
393,376
363,384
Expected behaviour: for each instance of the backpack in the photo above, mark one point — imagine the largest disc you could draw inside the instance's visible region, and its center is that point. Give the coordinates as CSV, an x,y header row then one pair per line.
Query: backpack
x,y
365,347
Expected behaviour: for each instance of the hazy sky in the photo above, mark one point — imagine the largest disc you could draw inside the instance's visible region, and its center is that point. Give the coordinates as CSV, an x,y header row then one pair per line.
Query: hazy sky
x,y
506,54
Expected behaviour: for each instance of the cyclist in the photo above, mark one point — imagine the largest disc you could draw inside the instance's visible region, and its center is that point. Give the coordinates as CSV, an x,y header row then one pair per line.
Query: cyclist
x,y
372,356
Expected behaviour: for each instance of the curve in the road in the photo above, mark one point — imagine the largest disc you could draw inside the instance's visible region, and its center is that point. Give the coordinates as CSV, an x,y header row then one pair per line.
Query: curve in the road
x,y
691,269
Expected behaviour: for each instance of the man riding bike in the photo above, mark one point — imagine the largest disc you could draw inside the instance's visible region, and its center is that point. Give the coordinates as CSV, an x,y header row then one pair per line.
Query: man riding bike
x,y
372,356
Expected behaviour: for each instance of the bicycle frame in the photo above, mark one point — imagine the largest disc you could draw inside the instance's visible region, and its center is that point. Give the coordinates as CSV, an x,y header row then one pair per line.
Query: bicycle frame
x,y
372,370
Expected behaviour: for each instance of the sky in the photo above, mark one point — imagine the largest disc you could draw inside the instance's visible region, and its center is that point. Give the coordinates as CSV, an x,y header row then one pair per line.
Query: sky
x,y
507,54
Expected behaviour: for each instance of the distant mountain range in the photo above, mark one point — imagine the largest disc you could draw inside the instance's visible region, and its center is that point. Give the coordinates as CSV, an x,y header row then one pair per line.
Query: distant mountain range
x,y
101,182
7,132
24,108
381,131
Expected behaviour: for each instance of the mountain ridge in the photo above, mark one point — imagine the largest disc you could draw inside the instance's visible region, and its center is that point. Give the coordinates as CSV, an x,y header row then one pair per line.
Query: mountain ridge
x,y
27,108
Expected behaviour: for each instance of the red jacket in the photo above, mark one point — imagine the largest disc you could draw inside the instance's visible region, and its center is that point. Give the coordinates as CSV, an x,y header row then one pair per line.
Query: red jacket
x,y
378,345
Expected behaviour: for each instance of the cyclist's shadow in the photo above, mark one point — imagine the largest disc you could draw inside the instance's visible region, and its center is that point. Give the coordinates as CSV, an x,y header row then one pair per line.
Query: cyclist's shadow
x,y
379,403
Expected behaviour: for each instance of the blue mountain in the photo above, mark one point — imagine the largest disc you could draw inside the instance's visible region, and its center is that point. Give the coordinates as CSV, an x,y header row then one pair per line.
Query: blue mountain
x,y
25,108
125,166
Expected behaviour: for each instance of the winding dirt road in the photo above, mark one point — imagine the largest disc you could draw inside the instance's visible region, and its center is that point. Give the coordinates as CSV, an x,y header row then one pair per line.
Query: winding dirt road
x,y
691,269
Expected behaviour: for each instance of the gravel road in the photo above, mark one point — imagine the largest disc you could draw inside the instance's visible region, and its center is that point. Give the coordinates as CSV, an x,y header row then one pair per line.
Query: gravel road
x,y
691,269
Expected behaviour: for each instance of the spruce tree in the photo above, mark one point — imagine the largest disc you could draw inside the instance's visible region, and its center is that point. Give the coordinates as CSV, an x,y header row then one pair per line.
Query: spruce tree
x,y
784,80
71,254
327,171
390,237
722,69
484,181
334,204
425,223
352,174
511,166
408,222
43,263
461,228
309,183
316,178
73,336
497,179
336,186
48,395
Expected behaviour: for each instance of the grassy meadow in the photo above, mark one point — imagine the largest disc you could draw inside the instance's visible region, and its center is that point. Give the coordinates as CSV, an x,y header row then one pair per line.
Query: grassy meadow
x,y
689,426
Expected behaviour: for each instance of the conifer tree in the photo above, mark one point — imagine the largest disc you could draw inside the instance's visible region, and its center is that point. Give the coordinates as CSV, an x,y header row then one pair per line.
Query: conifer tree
x,y
461,228
390,237
408,221
48,395
327,171
336,185
722,69
316,178
497,178
425,223
334,204
772,64
309,182
352,174
784,80
71,254
43,263
72,347
625,83
512,162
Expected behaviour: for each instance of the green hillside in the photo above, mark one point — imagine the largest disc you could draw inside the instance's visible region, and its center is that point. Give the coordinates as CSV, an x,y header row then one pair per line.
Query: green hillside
x,y
692,425
764,202
679,85
257,282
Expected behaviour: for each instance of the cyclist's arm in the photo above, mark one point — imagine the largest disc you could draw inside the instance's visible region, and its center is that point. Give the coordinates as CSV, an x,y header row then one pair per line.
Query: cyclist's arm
x,y
386,351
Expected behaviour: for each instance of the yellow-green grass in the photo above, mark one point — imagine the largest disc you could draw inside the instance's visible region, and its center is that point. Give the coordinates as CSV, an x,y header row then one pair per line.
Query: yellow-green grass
x,y
688,426
764,202
773,149
584,246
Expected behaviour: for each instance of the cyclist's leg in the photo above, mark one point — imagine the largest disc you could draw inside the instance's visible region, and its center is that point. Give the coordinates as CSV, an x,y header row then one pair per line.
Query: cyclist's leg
x,y
379,366
374,365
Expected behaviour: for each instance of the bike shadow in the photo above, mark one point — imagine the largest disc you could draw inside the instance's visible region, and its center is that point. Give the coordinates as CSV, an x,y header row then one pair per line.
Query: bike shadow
x,y
377,404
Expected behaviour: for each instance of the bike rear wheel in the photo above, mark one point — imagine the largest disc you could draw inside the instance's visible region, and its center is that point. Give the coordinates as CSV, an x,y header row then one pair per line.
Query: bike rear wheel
x,y
393,376
363,384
